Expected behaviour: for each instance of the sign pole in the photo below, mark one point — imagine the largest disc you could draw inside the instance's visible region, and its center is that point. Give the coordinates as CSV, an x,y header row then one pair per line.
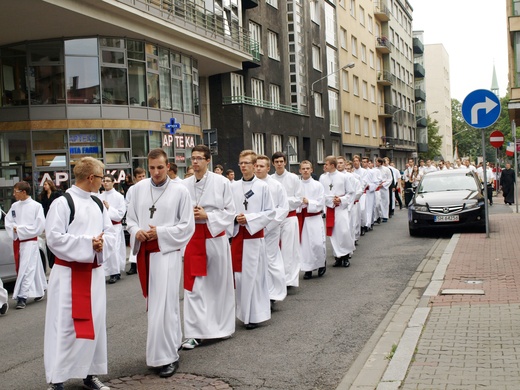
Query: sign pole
x,y
484,172
513,130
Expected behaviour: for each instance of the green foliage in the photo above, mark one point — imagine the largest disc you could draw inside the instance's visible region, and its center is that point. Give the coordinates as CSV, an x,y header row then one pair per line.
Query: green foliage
x,y
434,141
469,139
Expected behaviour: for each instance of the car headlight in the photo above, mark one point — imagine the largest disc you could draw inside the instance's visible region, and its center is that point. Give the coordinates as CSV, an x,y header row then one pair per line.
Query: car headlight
x,y
471,206
421,208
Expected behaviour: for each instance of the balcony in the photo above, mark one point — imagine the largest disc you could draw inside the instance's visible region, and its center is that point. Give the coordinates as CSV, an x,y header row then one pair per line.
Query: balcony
x,y
381,11
248,4
260,103
386,110
385,78
422,122
195,18
418,71
418,46
397,143
254,62
420,95
383,45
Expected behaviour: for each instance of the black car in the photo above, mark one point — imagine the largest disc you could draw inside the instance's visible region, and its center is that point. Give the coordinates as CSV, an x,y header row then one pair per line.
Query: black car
x,y
447,200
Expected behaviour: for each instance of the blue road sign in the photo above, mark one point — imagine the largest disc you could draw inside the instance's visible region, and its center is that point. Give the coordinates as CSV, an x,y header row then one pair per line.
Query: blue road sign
x,y
481,108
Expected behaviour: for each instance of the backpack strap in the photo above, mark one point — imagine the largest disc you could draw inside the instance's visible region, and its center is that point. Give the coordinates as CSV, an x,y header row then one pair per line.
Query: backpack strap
x,y
73,209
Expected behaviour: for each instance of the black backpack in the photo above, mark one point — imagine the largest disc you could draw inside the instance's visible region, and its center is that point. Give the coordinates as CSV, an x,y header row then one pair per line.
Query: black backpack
x,y
73,209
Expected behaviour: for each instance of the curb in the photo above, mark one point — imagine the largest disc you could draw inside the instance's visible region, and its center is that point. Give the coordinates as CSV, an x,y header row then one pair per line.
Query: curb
x,y
402,326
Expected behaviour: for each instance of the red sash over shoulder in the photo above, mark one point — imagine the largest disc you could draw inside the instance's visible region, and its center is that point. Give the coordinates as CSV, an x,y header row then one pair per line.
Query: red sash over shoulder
x,y
81,284
329,221
195,259
143,262
237,246
16,251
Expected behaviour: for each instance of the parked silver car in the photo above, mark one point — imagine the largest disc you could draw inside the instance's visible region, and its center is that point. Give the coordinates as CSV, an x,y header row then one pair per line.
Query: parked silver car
x,y
7,267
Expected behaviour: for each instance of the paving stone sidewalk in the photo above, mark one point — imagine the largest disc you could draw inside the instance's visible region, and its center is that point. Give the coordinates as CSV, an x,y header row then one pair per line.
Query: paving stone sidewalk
x,y
472,341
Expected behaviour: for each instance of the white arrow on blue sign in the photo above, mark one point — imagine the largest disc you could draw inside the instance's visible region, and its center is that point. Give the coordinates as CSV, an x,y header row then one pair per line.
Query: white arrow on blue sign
x,y
481,108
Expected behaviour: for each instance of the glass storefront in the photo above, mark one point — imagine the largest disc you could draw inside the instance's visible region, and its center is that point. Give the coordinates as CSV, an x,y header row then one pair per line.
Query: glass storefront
x,y
106,70
38,155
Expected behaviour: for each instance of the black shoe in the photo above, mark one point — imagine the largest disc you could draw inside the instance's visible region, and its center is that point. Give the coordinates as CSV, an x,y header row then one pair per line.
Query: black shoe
x,y
346,261
378,220
56,386
21,304
321,271
362,232
307,275
251,325
112,279
337,263
131,271
118,276
38,299
4,308
93,383
169,369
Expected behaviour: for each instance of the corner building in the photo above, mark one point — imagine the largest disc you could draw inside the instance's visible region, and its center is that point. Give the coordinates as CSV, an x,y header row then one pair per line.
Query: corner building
x,y
102,78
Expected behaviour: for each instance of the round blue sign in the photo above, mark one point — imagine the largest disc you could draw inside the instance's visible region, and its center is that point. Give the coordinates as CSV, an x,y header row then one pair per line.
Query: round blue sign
x,y
481,108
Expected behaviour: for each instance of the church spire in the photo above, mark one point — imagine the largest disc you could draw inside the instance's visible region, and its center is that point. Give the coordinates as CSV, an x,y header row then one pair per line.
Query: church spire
x,y
494,82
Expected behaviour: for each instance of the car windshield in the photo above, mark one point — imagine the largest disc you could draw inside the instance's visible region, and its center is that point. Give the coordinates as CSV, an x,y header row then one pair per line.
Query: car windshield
x,y
437,183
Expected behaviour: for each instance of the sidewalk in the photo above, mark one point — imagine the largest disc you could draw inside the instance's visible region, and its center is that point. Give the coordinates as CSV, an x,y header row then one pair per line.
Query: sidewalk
x,y
463,330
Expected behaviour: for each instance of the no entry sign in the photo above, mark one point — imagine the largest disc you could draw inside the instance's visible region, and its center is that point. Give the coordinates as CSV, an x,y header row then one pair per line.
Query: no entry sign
x,y
496,139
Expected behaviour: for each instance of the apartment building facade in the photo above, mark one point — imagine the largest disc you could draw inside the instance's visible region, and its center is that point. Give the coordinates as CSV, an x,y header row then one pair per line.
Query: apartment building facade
x,y
513,39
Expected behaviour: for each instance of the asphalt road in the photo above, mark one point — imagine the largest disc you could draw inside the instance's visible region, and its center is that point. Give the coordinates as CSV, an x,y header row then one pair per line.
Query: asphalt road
x,y
310,342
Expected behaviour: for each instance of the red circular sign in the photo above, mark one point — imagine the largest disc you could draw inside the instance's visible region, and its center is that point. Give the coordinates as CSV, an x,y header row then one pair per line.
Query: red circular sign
x,y
496,139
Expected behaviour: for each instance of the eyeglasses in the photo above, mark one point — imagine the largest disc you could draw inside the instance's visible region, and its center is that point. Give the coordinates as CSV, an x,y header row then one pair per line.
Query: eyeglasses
x,y
18,191
244,163
106,180
99,177
198,158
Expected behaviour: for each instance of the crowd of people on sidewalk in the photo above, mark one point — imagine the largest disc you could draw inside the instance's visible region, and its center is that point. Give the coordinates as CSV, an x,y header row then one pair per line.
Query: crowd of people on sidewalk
x,y
238,245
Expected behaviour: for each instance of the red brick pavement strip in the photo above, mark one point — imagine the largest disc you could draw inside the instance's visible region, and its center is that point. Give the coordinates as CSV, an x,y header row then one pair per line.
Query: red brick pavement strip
x,y
495,261
178,381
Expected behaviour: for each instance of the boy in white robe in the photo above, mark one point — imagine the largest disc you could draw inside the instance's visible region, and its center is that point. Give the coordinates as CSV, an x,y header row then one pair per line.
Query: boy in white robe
x,y
254,208
139,174
339,195
24,222
386,181
160,222
276,281
116,207
311,224
362,173
289,234
75,321
209,294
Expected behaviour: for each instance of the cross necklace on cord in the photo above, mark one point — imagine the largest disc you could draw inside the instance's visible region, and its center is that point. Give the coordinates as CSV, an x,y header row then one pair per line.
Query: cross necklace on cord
x,y
245,202
197,199
153,209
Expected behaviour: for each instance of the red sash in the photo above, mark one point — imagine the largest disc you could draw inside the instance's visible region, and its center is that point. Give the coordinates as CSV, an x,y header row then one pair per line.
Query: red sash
x,y
329,221
143,262
16,251
291,214
116,223
81,285
195,259
301,219
237,246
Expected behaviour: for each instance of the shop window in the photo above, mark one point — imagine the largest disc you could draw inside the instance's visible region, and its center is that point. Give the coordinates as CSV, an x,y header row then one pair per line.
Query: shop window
x,y
83,143
78,47
152,84
49,139
51,160
155,140
139,143
16,147
47,84
14,87
82,80
135,49
114,158
117,138
113,81
137,83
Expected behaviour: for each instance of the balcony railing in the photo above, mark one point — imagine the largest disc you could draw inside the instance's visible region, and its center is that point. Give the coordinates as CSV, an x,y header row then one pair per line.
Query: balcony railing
x,y
383,45
381,11
260,103
197,19
385,78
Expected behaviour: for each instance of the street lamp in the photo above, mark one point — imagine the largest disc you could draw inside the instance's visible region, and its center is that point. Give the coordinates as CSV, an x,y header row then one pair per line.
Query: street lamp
x,y
349,65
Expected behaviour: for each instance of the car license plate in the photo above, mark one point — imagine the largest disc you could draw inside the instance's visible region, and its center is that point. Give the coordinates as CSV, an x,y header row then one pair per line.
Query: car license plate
x,y
446,218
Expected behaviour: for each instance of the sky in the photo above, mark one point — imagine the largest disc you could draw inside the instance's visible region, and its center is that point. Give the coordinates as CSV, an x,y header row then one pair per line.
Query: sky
x,y
474,34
